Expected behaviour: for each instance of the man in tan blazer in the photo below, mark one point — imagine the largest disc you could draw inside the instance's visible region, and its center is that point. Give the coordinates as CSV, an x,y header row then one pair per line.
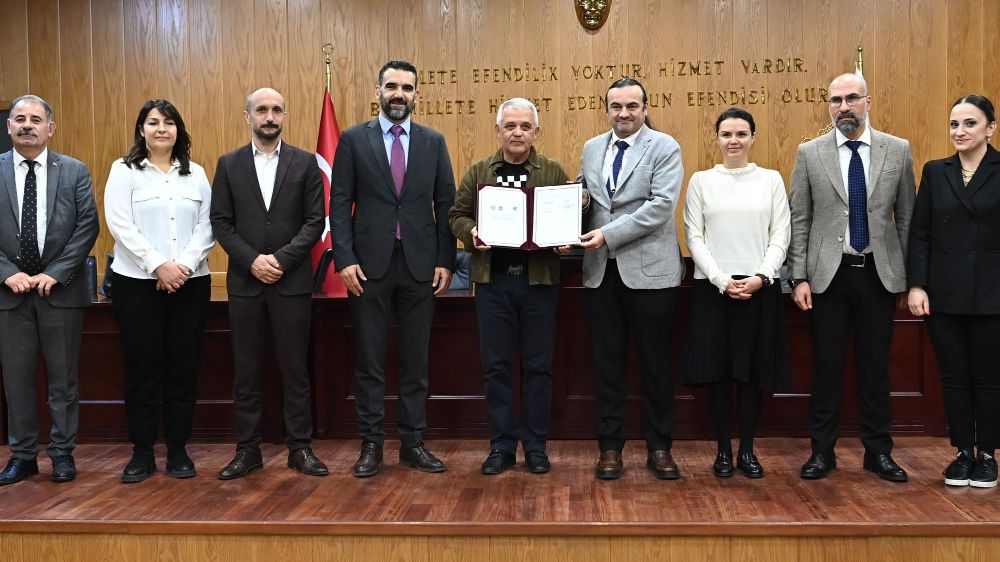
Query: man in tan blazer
x,y
852,193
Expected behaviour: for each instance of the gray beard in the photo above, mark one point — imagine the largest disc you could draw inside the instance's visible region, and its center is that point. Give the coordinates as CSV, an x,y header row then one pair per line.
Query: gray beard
x,y
849,125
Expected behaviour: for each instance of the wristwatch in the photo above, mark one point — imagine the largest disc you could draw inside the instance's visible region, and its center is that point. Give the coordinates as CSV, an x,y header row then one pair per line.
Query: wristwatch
x,y
793,282
764,279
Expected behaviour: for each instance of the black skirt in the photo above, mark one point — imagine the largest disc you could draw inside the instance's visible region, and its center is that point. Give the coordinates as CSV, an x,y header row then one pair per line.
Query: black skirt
x,y
738,340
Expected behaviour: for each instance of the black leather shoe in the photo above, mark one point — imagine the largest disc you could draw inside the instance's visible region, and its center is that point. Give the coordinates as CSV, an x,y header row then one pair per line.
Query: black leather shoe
x,y
497,462
723,465
819,466
369,461
749,465
610,465
63,468
662,465
957,473
140,467
421,459
305,461
537,461
17,470
245,462
179,464
885,467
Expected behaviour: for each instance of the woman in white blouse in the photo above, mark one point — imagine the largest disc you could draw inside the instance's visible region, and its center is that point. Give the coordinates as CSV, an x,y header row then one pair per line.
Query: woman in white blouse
x,y
156,203
737,224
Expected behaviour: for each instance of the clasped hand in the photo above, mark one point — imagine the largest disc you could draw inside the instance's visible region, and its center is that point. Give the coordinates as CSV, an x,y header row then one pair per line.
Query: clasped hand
x,y
21,282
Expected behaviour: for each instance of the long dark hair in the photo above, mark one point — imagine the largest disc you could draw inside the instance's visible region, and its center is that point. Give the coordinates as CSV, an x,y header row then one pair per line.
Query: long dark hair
x,y
182,148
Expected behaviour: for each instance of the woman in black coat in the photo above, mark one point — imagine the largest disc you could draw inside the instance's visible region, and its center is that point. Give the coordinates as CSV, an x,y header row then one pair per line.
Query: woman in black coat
x,y
953,269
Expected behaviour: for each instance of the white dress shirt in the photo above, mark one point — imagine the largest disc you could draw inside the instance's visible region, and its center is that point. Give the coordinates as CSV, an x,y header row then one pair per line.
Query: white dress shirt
x,y
737,222
609,158
844,153
267,169
41,182
157,216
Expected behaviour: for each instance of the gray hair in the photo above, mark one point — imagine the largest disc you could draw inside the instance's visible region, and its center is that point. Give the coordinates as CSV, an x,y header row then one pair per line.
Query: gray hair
x,y
519,103
34,99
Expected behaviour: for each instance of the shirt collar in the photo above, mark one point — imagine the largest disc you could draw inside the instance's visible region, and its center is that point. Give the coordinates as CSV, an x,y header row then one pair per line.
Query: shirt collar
x,y
174,164
865,138
256,151
629,139
532,160
385,124
42,159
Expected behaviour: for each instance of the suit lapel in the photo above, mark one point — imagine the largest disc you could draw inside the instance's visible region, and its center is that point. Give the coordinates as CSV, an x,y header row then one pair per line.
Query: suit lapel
x,y
246,159
7,179
987,168
51,186
878,155
416,154
953,173
633,157
830,159
378,152
284,161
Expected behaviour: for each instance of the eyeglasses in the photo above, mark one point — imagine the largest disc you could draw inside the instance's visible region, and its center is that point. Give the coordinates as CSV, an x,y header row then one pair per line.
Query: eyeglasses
x,y
852,100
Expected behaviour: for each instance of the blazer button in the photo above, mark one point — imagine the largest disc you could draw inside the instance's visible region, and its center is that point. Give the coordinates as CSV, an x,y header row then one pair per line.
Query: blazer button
x,y
268,248
840,239
846,213
972,254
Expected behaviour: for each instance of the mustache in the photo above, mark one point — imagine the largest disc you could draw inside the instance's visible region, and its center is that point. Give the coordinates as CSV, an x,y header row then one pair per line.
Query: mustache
x,y
27,132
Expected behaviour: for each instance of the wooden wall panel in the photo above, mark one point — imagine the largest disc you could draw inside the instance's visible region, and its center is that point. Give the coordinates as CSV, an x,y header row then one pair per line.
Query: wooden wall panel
x,y
14,55
43,63
97,61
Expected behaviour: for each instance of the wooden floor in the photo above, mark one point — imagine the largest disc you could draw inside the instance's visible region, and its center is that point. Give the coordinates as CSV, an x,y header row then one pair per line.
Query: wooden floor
x,y
567,501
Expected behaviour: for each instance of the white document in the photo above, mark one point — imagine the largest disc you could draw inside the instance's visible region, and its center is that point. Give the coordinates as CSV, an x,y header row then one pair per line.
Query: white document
x,y
558,213
502,216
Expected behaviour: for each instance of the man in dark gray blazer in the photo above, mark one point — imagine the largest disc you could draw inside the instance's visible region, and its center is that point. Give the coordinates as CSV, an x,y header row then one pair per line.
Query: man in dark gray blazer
x,y
631,270
391,189
48,224
267,212
852,195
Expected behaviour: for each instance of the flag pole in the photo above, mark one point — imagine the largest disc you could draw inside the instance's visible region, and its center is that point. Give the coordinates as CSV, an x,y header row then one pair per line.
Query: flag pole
x,y
327,51
860,65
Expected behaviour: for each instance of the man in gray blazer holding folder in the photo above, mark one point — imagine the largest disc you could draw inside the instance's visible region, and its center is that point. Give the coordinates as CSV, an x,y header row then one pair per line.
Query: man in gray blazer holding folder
x,y
633,176
852,195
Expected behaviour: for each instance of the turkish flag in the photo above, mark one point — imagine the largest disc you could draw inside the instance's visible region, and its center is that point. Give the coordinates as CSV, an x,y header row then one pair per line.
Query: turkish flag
x,y
326,148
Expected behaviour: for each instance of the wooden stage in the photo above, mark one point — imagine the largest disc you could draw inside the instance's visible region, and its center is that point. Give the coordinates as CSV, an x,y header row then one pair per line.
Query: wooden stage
x,y
402,514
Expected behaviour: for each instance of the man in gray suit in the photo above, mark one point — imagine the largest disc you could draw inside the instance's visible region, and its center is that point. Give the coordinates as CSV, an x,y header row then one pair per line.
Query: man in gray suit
x,y
633,176
48,224
852,195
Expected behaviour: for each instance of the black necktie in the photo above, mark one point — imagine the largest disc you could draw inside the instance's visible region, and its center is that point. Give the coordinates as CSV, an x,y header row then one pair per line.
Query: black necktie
x,y
31,261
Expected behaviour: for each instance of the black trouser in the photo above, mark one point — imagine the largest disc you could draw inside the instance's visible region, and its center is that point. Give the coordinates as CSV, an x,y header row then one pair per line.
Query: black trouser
x,y
856,303
510,311
413,302
970,379
288,318
161,335
613,310
720,395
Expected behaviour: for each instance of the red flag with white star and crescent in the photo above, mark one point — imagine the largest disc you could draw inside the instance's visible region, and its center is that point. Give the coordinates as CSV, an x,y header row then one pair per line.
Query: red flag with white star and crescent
x,y
326,148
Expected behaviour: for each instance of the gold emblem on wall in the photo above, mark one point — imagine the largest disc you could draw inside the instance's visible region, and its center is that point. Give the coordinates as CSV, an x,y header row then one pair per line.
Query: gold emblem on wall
x,y
592,13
